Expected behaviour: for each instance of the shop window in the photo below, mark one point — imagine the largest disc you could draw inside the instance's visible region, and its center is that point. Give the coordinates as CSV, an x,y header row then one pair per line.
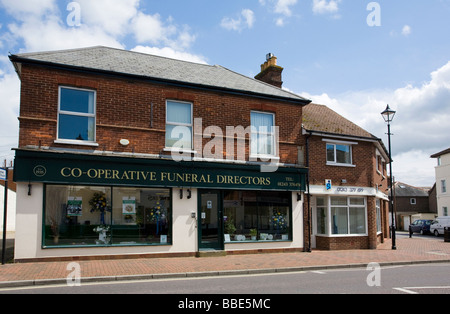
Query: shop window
x,y
105,216
179,125
378,209
339,154
262,134
76,115
257,216
321,215
344,215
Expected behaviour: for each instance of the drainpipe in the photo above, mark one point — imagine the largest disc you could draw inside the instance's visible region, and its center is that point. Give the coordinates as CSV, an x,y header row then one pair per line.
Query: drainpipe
x,y
308,197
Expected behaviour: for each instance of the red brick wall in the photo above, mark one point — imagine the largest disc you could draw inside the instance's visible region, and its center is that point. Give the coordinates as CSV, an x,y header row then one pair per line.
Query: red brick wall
x,y
363,174
124,111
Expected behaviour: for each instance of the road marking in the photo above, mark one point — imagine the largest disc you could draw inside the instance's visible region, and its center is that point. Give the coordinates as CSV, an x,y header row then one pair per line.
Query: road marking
x,y
318,272
406,290
409,289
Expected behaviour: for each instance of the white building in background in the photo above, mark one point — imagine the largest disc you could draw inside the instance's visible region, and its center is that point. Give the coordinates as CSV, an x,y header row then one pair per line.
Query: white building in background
x,y
11,214
443,181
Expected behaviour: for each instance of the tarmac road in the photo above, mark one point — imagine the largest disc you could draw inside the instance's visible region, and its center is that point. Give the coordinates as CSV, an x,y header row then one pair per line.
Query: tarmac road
x,y
402,279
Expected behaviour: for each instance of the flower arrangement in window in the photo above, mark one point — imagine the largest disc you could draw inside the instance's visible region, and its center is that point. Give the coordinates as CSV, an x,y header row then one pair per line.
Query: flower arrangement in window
x,y
155,213
279,221
99,203
158,216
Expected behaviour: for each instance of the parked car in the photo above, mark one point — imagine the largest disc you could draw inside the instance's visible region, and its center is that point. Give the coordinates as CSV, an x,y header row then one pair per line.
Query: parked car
x,y
438,225
421,226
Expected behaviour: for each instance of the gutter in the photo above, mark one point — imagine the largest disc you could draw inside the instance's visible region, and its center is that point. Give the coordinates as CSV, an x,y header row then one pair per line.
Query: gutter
x,y
308,198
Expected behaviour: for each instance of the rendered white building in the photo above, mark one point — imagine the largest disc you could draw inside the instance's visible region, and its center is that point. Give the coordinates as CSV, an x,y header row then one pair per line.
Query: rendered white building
x,y
443,181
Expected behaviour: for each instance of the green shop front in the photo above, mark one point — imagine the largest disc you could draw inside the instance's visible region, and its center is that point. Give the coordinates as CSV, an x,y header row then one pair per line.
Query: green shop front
x,y
96,205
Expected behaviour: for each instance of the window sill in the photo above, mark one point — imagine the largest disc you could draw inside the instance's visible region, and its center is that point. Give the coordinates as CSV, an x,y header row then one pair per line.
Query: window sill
x,y
341,235
264,157
340,165
179,150
257,241
75,142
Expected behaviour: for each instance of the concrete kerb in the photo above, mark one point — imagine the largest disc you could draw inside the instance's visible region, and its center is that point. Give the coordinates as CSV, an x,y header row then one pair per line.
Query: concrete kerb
x,y
224,273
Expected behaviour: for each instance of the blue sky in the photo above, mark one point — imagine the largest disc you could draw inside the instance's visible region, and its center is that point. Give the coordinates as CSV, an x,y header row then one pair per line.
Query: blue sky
x,y
330,55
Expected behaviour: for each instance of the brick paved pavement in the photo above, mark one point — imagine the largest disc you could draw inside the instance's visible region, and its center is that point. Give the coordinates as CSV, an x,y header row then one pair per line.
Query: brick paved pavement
x,y
414,250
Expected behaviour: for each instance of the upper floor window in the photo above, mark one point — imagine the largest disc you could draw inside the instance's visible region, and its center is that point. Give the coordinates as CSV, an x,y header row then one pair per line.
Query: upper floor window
x,y
263,133
179,125
443,186
339,154
76,115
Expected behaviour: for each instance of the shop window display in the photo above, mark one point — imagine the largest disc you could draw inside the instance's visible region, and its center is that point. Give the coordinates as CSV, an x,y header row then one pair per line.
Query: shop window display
x,y
106,216
341,215
257,216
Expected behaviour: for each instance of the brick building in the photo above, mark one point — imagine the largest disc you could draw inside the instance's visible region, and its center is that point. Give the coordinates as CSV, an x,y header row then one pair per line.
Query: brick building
x,y
412,203
128,154
347,182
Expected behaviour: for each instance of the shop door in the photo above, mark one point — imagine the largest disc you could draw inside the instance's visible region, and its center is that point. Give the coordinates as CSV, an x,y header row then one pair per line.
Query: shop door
x,y
210,217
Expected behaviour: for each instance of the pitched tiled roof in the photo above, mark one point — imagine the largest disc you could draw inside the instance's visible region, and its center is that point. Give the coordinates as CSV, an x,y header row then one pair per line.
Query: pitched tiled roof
x,y
320,118
402,189
123,62
444,152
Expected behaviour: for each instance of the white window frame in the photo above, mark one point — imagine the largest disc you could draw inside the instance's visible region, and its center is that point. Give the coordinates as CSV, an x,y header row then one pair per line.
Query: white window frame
x,y
329,226
271,132
335,143
378,210
412,201
443,186
78,114
380,163
191,125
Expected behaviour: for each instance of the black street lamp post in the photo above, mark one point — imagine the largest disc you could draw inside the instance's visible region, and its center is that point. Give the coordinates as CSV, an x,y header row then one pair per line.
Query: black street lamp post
x,y
388,116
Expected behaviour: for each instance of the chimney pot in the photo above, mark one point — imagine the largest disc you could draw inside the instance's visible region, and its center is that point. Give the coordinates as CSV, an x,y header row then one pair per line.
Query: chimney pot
x,y
270,71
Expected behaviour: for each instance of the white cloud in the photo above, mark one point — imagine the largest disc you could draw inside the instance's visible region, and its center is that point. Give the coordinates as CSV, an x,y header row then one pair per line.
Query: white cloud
x,y
112,16
21,10
103,22
325,7
283,8
57,36
246,19
150,29
406,30
420,127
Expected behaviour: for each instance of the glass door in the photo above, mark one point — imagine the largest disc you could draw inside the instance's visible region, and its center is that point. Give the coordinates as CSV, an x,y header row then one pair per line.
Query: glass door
x,y
210,217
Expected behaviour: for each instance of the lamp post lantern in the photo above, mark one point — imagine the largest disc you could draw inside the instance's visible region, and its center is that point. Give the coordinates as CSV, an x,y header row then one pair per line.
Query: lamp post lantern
x,y
388,115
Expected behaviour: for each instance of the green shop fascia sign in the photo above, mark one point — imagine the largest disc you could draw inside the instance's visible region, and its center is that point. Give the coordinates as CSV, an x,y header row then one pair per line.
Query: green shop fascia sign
x,y
67,168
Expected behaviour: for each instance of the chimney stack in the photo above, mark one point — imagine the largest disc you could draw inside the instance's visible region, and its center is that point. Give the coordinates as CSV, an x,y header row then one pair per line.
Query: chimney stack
x,y
270,71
